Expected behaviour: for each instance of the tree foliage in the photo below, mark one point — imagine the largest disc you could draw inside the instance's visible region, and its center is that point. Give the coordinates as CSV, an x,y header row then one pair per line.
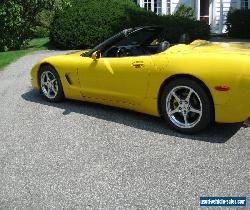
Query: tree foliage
x,y
18,18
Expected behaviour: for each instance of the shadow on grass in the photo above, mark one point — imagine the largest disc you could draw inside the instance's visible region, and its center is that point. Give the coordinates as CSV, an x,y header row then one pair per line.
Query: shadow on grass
x,y
218,133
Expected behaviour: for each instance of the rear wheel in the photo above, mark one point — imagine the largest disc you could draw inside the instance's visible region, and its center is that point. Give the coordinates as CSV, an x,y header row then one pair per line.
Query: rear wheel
x,y
50,84
186,106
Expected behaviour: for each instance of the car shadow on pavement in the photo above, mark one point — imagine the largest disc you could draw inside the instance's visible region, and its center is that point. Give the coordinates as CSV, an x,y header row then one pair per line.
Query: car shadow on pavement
x,y
218,133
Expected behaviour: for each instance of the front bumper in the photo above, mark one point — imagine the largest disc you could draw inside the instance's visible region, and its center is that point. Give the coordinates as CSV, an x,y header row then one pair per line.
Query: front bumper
x,y
34,76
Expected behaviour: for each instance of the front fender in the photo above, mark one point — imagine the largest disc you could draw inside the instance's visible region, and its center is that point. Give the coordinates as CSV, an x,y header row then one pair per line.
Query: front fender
x,y
66,67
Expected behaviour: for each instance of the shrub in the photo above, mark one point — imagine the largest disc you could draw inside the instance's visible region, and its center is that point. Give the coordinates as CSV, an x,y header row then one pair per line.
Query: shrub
x,y
86,23
174,26
238,22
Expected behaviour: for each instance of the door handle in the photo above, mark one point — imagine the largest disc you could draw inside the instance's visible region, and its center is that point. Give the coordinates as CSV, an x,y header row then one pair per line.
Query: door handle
x,y
138,64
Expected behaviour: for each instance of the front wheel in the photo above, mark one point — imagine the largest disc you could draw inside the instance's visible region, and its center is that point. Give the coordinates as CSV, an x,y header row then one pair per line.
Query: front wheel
x,y
186,106
50,84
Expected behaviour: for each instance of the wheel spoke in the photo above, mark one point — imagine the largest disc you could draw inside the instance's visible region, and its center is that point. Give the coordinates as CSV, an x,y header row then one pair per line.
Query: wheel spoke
x,y
52,81
44,84
172,112
49,90
176,97
47,75
189,95
53,89
185,119
195,111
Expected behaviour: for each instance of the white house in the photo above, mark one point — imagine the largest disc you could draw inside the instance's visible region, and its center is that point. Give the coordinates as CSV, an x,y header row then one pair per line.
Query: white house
x,y
213,12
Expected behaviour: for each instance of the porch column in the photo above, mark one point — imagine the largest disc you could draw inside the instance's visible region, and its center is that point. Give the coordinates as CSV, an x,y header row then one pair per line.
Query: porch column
x,y
140,2
221,17
152,5
164,7
197,9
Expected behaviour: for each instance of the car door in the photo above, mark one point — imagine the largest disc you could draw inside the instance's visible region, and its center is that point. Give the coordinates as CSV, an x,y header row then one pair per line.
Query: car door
x,y
115,79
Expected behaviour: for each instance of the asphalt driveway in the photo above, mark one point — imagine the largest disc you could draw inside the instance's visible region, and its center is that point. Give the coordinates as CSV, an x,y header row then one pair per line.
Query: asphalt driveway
x,y
76,155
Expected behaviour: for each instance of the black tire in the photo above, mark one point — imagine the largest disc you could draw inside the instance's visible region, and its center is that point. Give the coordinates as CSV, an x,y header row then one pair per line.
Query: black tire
x,y
207,107
59,96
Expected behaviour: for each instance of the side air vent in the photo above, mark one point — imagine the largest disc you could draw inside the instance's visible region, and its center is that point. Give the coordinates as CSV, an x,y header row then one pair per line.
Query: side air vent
x,y
68,79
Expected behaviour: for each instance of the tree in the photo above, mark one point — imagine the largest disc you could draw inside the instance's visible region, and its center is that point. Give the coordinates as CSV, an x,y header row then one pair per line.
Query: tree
x,y
18,17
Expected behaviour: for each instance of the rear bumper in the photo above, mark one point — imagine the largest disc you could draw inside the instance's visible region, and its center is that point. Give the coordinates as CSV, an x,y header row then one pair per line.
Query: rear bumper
x,y
232,114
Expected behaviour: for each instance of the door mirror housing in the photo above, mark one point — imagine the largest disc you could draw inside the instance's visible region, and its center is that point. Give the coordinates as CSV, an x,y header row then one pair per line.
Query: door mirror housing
x,y
96,55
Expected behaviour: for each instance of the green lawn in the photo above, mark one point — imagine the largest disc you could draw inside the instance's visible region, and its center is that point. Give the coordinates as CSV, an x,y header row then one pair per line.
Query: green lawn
x,y
10,56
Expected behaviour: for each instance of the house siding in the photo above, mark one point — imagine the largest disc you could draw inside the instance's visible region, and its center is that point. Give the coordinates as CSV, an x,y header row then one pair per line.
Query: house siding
x,y
218,10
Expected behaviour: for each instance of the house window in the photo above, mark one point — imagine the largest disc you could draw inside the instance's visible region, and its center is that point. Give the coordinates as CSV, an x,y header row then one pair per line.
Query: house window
x,y
244,4
157,6
168,7
153,5
147,4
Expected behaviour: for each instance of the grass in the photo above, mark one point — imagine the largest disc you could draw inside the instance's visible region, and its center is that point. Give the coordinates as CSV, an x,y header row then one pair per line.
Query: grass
x,y
10,56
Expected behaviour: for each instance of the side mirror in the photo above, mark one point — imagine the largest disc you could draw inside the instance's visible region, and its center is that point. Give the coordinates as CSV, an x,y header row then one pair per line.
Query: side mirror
x,y
96,55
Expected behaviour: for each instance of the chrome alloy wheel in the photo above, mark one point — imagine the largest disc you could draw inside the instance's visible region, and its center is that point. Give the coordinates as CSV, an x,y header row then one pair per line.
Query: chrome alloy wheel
x,y
184,107
49,84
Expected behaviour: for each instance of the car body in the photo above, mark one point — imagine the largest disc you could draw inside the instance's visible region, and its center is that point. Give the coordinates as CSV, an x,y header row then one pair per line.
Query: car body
x,y
135,80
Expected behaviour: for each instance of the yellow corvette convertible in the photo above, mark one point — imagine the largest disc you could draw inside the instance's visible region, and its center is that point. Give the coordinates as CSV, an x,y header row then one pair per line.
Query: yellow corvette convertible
x,y
190,86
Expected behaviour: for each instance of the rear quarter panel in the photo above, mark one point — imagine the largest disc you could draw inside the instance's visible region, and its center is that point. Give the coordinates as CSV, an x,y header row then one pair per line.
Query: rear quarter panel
x,y
213,69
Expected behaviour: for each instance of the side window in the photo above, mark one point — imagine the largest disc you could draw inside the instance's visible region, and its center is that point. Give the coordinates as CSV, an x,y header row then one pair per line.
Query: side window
x,y
132,45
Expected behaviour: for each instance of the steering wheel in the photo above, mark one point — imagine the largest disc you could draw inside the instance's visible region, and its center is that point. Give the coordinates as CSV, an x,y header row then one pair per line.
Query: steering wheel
x,y
122,52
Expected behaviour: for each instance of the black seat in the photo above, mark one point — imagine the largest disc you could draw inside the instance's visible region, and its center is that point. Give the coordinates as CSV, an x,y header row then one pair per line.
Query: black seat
x,y
163,46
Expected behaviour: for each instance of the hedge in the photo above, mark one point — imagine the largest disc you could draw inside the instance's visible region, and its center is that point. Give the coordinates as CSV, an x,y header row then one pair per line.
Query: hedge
x,y
238,23
86,23
174,26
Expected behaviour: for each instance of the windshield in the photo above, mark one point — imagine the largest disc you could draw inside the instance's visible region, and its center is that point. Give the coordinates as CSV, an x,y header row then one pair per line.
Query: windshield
x,y
107,42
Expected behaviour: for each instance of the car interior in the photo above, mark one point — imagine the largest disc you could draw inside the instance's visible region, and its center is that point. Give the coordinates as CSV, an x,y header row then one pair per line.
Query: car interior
x,y
147,41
